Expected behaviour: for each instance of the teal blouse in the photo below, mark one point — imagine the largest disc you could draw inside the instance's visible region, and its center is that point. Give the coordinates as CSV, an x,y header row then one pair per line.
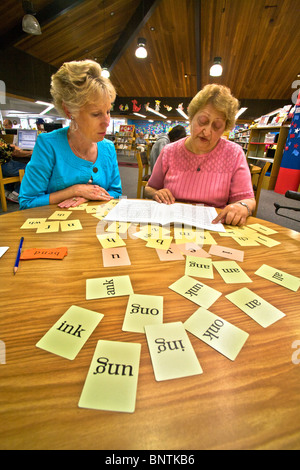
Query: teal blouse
x,y
53,166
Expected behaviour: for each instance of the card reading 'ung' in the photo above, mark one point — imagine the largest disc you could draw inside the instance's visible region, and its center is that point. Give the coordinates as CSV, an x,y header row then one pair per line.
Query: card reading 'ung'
x,y
111,382
171,352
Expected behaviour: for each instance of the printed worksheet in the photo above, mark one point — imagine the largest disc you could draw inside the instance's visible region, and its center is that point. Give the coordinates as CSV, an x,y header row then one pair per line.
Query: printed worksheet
x,y
144,211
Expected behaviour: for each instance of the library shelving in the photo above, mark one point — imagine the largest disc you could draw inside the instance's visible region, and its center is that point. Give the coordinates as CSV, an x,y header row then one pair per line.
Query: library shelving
x,y
125,138
241,137
266,144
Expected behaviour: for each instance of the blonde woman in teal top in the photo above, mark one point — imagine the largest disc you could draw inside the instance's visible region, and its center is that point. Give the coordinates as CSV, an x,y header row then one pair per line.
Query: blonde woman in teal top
x,y
75,164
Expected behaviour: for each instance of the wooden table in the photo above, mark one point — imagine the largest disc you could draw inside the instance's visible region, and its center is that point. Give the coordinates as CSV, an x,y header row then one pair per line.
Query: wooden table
x,y
251,403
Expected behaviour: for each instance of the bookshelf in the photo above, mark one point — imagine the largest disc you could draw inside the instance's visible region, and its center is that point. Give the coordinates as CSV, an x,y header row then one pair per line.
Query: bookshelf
x,y
241,137
262,149
125,138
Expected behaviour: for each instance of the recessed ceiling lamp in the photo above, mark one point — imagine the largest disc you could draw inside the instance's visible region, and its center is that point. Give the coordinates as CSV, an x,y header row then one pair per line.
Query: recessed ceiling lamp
x,y
105,73
30,24
141,52
216,69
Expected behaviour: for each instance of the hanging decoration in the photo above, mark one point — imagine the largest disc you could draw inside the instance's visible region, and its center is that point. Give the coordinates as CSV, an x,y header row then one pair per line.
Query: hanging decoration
x,y
135,108
123,108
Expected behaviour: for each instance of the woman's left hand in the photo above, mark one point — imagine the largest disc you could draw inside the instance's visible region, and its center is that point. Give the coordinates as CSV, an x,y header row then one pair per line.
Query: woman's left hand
x,y
72,202
233,214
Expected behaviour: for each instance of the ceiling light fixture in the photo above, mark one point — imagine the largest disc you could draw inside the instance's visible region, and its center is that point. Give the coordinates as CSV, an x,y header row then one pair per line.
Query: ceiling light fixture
x,y
241,111
141,115
105,73
216,69
156,112
182,113
49,106
47,109
30,24
141,52
44,102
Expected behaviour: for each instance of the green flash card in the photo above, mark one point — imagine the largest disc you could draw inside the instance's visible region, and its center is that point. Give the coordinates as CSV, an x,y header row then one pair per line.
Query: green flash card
x,y
111,382
196,291
257,308
171,351
142,310
105,287
216,332
68,335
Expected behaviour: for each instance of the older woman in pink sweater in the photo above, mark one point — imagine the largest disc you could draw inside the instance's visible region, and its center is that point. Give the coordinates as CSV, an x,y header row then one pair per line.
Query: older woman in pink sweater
x,y
204,168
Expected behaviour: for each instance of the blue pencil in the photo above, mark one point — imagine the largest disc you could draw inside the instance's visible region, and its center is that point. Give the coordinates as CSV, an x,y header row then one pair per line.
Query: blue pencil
x,y
18,256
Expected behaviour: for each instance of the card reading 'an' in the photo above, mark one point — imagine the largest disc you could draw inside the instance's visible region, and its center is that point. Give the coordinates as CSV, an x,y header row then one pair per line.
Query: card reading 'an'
x,y
257,308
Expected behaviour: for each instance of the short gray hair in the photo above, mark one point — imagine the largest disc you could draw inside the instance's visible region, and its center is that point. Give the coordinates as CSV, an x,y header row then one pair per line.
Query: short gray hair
x,y
220,98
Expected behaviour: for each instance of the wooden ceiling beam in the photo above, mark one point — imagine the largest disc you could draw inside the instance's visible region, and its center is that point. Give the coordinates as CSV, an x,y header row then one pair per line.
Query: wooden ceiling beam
x,y
134,25
44,16
197,41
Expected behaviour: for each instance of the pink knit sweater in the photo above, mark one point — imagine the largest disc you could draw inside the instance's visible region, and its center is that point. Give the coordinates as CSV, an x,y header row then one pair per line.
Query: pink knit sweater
x,y
215,179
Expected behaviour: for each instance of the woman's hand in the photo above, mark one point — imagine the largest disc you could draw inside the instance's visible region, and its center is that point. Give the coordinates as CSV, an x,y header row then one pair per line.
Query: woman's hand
x,y
92,192
233,214
164,196
83,193
72,202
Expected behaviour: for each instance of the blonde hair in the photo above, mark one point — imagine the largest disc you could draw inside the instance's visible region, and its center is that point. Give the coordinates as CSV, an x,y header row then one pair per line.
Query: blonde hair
x,y
77,83
220,98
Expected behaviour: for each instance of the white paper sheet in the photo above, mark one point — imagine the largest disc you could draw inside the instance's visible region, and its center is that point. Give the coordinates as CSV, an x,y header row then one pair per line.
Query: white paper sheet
x,y
144,211
3,249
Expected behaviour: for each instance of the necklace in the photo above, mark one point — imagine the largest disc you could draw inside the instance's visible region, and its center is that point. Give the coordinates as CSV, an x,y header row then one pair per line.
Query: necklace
x,y
76,151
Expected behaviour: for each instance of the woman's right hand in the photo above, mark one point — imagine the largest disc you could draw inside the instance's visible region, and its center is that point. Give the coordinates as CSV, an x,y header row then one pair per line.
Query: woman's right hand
x,y
164,196
92,192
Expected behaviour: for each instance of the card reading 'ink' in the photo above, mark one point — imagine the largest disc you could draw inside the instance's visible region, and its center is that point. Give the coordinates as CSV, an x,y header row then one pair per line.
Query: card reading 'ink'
x,y
68,335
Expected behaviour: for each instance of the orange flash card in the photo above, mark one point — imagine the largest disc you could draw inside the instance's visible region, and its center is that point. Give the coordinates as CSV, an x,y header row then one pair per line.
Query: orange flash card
x,y
46,253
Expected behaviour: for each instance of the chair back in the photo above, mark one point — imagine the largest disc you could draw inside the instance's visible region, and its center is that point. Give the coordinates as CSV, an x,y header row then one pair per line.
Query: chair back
x,y
143,168
257,175
8,180
8,138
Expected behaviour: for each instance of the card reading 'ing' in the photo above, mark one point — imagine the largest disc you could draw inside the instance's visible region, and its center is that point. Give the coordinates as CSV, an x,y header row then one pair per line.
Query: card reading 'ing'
x,y
171,352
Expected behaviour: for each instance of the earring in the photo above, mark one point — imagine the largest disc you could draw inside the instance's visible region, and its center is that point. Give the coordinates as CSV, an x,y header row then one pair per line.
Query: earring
x,y
73,125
